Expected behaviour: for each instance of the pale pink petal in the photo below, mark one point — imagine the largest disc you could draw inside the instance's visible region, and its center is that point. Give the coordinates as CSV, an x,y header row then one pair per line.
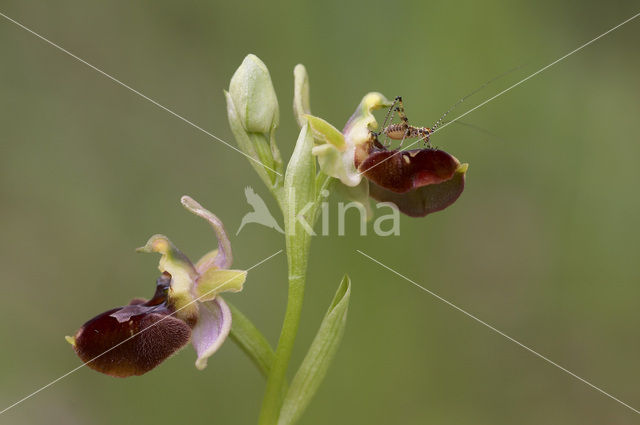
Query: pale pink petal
x,y
223,258
214,324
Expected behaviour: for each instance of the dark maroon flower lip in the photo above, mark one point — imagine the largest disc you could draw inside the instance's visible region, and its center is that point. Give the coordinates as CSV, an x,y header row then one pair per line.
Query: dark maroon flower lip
x,y
133,339
402,171
423,200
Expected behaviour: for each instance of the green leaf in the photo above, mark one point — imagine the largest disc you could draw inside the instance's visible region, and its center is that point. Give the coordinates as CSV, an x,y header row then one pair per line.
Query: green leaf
x,y
251,341
300,186
316,362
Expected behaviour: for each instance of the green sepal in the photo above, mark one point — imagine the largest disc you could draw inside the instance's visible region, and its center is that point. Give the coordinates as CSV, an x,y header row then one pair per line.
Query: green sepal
x,y
254,97
255,146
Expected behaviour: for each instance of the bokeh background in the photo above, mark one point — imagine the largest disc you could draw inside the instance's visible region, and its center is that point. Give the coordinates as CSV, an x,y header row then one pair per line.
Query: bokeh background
x,y
543,244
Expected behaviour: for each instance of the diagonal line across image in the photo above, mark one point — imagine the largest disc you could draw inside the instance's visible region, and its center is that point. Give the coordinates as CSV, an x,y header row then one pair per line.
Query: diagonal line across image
x,y
544,68
114,79
499,332
129,338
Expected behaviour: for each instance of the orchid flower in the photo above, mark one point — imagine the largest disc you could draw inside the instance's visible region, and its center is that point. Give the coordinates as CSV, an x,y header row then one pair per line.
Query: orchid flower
x,y
418,182
133,339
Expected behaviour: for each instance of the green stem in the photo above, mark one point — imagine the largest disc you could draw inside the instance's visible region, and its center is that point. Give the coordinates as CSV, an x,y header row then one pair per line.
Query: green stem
x,y
297,247
297,253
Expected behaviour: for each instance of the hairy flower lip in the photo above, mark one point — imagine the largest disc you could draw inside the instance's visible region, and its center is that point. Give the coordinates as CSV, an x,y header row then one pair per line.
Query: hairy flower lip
x,y
424,200
403,171
133,339
118,342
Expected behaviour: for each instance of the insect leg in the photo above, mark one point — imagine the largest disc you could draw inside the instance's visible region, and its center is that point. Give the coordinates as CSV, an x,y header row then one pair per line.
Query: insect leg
x,y
404,120
390,111
400,110
389,118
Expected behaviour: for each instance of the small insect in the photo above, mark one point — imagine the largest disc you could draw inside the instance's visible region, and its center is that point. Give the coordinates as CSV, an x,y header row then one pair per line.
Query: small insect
x,y
403,130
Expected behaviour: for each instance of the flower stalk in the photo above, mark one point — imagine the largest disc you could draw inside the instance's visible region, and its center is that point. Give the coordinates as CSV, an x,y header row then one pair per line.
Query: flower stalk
x,y
299,186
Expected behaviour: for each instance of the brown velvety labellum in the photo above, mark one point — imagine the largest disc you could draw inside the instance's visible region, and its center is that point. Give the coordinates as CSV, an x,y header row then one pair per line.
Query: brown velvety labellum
x,y
161,336
423,200
401,172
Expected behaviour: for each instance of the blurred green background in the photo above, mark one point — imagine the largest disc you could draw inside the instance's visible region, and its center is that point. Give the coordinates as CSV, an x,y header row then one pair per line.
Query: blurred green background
x,y
543,244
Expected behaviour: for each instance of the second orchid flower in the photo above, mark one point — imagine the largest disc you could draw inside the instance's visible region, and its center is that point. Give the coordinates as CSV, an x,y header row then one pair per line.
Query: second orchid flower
x,y
133,339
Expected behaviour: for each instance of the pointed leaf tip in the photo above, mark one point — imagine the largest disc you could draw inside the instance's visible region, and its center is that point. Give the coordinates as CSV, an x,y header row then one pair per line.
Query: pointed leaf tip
x,y
316,362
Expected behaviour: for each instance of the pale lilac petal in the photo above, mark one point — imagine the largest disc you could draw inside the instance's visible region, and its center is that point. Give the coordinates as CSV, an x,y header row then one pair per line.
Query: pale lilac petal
x,y
224,258
207,261
214,324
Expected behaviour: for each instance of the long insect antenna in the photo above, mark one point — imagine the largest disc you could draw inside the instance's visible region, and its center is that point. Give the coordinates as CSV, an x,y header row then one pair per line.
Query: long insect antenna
x,y
437,124
391,109
480,129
